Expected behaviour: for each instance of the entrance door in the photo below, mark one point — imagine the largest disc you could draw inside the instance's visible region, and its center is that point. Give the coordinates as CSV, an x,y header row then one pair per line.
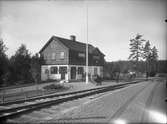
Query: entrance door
x,y
63,71
73,72
62,76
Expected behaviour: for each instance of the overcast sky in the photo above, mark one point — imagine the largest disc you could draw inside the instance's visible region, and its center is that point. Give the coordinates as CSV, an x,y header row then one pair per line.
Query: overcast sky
x,y
111,23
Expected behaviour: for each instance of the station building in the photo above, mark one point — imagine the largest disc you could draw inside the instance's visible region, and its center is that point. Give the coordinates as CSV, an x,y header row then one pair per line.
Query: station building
x,y
65,59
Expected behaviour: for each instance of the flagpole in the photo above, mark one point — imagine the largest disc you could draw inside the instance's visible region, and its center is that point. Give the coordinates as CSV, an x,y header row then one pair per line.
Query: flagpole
x,y
87,69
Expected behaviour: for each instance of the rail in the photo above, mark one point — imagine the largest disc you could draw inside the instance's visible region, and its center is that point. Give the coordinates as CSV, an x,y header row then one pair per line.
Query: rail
x,y
55,100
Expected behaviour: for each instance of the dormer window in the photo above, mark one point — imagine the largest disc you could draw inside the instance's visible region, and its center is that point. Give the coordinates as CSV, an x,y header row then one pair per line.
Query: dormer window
x,y
82,55
96,57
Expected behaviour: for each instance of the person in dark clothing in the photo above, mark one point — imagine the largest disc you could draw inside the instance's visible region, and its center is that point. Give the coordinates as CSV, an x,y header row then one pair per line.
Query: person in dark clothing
x,y
98,80
117,77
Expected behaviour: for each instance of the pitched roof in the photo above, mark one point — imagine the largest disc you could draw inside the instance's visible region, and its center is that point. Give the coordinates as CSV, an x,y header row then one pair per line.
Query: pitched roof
x,y
73,45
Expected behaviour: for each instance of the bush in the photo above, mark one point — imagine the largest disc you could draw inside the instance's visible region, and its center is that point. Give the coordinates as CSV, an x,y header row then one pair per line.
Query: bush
x,y
54,87
152,74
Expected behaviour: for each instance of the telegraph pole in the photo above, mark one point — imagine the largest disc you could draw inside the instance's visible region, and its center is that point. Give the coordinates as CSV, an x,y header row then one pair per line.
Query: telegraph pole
x,y
87,64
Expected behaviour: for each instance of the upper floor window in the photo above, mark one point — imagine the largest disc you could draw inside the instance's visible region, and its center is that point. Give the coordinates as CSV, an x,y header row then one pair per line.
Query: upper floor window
x,y
62,55
53,55
53,45
53,70
46,56
81,55
96,57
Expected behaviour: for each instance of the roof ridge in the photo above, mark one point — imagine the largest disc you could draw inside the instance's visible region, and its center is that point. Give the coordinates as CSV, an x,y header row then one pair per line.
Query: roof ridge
x,y
71,40
73,45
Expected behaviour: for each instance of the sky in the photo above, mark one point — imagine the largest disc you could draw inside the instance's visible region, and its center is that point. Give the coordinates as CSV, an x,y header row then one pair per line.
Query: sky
x,y
111,24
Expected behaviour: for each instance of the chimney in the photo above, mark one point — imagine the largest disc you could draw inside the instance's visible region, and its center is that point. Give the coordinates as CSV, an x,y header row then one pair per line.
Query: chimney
x,y
72,37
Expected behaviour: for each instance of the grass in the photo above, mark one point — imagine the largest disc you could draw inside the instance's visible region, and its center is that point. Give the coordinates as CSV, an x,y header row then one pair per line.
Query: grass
x,y
49,89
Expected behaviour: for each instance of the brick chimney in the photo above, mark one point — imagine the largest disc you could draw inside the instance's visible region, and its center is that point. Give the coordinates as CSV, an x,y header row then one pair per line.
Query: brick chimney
x,y
72,37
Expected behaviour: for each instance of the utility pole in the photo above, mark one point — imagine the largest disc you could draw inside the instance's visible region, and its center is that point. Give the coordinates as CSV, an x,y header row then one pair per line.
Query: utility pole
x,y
87,64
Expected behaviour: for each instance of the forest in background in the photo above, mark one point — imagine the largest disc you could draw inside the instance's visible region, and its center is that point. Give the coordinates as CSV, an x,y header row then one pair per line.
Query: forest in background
x,y
23,67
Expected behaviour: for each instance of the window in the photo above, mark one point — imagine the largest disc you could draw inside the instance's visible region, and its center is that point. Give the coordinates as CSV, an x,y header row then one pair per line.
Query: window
x,y
62,69
95,71
45,56
46,71
80,70
48,56
53,55
96,57
53,70
82,55
53,45
61,55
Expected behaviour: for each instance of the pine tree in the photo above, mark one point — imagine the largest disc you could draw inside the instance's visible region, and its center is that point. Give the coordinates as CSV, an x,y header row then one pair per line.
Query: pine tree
x,y
153,60
146,56
154,54
146,50
136,47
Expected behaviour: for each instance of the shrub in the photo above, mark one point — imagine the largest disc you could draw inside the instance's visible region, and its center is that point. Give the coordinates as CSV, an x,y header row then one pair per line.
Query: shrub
x,y
54,87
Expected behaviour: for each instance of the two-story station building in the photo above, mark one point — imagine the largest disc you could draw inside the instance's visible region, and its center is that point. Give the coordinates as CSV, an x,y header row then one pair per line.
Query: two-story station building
x,y
65,59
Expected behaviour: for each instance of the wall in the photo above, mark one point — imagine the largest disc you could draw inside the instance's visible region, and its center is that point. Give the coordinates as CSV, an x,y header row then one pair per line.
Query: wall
x,y
57,76
45,76
55,47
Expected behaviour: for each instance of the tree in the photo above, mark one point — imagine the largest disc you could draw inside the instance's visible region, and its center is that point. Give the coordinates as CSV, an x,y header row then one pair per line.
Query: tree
x,y
36,63
3,63
154,54
136,46
146,50
20,65
153,61
150,55
146,56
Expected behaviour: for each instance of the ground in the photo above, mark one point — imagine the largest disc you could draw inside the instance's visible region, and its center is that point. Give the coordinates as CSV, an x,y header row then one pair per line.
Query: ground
x,y
142,103
22,93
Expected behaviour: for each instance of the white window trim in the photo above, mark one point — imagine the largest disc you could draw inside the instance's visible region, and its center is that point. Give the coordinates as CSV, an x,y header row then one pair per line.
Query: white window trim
x,y
62,55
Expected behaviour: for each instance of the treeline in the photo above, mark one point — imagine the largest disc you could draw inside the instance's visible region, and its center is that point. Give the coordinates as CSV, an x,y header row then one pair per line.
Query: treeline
x,y
143,59
124,67
22,67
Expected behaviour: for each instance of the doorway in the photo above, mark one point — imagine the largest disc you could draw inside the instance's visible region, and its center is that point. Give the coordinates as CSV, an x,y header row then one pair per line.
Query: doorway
x,y
73,72
63,72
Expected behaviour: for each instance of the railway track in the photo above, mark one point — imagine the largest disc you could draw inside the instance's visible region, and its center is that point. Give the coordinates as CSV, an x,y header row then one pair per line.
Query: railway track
x,y
19,108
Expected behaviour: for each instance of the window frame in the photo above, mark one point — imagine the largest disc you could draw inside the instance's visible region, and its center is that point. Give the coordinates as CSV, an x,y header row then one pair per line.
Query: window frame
x,y
63,69
95,71
81,55
80,70
53,56
54,70
62,55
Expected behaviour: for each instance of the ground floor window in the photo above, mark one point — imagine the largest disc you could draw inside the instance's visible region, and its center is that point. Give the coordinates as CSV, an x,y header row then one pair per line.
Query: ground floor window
x,y
53,70
62,69
80,70
46,71
95,71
